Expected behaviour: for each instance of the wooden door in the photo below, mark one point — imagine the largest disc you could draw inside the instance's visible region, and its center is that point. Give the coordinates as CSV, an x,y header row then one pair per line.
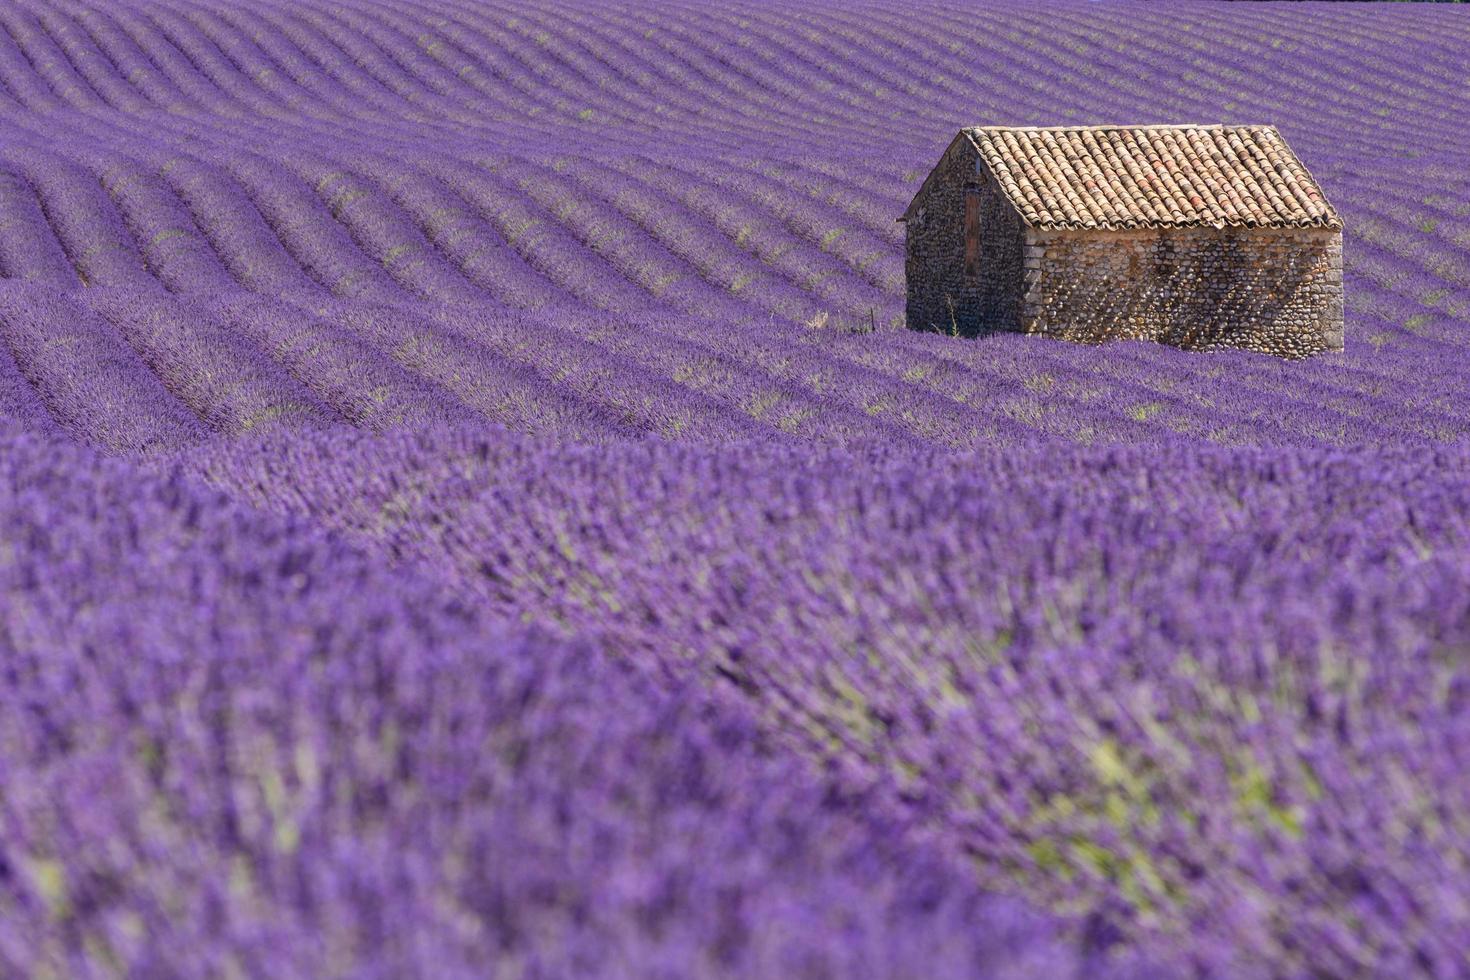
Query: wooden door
x,y
972,232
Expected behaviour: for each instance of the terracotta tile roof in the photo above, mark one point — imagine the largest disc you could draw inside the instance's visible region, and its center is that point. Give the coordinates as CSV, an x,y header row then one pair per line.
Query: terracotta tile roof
x,y
1153,177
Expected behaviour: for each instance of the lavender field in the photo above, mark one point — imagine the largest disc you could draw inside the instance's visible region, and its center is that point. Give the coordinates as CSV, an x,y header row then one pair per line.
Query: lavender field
x,y
470,506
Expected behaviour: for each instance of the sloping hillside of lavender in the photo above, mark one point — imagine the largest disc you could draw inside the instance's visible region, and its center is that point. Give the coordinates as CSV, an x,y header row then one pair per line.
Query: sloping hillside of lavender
x,y
471,506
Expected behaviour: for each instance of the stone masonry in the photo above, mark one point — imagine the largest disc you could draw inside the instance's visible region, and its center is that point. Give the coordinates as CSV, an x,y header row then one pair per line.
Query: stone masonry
x,y
1274,291
941,296
1216,240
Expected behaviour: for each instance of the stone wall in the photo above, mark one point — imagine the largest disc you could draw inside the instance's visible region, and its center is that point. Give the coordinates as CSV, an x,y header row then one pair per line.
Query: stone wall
x,y
941,296
1277,291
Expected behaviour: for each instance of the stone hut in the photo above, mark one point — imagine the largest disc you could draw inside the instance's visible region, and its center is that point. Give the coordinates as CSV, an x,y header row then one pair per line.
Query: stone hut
x,y
1196,236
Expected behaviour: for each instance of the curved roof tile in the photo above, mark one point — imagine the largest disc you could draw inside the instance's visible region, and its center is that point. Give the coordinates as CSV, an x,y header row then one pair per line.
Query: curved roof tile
x,y
1153,177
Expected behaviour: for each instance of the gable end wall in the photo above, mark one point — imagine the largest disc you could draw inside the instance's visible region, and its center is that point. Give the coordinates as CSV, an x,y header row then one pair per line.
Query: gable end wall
x,y
940,296
1277,291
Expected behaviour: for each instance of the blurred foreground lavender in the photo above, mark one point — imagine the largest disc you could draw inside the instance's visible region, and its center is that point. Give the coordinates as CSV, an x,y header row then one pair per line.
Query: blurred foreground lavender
x,y
231,745
1217,699
1136,686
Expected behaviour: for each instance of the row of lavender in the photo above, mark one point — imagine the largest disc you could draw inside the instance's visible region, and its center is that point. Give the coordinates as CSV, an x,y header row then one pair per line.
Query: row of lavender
x,y
132,371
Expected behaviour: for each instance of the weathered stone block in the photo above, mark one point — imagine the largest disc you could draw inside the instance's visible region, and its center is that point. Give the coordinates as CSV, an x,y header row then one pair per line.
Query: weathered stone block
x,y
1269,291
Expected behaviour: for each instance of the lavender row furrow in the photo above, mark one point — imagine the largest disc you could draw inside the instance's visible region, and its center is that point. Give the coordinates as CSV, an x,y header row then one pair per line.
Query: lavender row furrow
x,y
225,380
502,390
358,381
92,382
91,231
642,399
